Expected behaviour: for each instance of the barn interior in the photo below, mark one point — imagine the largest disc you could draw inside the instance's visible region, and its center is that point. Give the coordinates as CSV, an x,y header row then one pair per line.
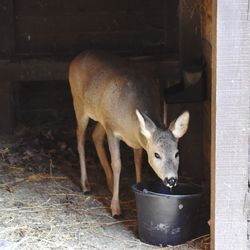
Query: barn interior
x,y
39,163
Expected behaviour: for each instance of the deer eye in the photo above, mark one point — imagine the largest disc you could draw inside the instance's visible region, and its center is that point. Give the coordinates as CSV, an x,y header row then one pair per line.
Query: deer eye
x,y
157,156
177,155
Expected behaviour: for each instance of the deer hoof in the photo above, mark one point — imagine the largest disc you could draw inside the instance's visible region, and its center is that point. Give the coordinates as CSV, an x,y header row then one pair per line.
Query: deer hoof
x,y
86,188
115,208
117,216
87,192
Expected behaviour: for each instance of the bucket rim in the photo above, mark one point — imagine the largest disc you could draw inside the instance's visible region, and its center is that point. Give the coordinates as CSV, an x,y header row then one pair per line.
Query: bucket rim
x,y
154,194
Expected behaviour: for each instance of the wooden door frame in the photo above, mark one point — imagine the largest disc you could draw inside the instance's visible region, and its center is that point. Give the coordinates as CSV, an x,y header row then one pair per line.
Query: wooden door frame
x,y
230,114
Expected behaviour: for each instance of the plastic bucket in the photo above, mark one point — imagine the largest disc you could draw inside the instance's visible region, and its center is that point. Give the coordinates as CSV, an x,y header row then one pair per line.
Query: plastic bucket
x,y
165,216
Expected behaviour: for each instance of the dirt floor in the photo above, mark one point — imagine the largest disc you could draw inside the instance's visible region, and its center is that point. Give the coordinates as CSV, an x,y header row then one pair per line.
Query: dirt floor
x,y
42,206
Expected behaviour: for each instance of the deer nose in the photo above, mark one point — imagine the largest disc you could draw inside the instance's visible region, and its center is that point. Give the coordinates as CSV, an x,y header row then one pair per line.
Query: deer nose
x,y
171,182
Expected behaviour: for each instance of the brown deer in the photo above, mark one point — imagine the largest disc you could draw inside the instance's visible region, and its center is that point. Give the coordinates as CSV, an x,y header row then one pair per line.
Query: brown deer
x,y
127,106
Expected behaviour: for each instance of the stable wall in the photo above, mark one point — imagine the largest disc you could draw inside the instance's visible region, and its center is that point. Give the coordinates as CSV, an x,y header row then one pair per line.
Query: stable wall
x,y
165,30
67,27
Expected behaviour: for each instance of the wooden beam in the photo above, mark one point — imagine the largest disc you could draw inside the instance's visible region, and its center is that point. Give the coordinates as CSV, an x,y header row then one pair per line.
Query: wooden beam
x,y
230,125
33,70
48,69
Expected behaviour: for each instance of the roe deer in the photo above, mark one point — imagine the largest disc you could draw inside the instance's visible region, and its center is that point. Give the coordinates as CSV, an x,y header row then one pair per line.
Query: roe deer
x,y
127,106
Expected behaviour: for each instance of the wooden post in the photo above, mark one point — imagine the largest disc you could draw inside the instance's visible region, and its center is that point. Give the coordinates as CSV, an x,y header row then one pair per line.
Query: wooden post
x,y
230,114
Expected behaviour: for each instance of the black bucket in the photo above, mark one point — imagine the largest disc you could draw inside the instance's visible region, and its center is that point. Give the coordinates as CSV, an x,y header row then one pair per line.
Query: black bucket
x,y
165,216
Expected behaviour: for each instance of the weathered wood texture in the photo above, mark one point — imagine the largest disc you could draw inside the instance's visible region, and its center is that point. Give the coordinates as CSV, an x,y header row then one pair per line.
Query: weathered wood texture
x,y
49,69
230,125
68,27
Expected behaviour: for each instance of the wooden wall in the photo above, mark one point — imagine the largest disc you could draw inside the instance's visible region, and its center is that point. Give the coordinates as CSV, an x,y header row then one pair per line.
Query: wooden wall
x,y
62,27
42,101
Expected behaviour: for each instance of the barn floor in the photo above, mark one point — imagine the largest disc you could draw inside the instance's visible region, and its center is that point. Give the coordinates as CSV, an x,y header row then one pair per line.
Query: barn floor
x,y
42,207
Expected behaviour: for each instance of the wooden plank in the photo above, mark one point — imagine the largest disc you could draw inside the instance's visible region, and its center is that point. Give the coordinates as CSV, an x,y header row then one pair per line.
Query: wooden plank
x,y
73,43
230,123
44,27
33,70
54,35
91,21
46,69
7,42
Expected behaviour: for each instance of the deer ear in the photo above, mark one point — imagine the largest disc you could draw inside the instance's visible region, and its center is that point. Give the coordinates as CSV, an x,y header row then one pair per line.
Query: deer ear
x,y
147,126
179,126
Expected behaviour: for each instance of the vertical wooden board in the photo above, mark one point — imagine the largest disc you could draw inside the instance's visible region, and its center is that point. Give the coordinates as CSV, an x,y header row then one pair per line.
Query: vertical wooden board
x,y
230,123
7,43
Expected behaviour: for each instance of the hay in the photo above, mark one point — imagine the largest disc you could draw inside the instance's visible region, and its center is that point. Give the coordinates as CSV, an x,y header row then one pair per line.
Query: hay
x,y
41,208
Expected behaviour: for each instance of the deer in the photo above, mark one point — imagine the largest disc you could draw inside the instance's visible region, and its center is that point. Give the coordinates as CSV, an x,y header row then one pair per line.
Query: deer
x,y
127,106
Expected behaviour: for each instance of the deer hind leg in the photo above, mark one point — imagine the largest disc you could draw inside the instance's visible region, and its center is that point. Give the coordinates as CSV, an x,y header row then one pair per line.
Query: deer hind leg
x,y
114,148
98,138
138,163
81,127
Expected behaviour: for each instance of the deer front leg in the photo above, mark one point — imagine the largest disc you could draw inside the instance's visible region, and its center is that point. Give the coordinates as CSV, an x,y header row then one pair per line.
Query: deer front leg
x,y
98,138
138,163
81,127
114,148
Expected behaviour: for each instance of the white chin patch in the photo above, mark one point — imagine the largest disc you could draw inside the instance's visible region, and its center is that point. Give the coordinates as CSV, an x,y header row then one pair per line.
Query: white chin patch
x,y
171,186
